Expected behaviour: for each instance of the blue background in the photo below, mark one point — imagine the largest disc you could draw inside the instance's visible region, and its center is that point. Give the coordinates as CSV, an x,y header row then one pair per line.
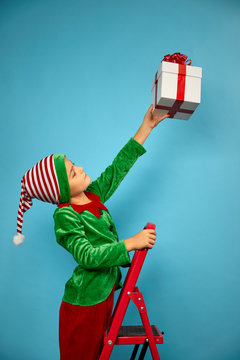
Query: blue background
x,y
75,78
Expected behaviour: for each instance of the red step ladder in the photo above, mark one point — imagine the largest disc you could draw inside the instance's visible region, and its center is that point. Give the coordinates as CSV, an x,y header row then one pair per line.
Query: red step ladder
x,y
148,335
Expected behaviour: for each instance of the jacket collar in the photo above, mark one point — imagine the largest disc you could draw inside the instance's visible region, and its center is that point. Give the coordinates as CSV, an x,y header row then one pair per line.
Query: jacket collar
x,y
93,206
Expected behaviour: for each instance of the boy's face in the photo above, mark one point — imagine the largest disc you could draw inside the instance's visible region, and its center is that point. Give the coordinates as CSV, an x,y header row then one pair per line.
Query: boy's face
x,y
78,180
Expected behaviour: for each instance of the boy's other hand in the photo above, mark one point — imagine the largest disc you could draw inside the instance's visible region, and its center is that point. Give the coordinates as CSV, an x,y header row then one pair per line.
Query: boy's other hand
x,y
145,239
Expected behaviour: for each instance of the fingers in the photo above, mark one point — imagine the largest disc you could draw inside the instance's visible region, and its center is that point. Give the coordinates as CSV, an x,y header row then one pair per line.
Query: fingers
x,y
149,243
150,108
150,246
152,235
151,231
145,239
165,116
152,241
160,118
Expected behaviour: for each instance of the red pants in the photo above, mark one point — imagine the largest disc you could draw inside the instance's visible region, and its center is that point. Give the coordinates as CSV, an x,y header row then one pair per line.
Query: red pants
x,y
82,329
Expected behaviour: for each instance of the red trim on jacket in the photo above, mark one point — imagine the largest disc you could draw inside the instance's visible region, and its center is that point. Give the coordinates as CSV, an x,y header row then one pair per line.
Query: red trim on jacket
x,y
93,206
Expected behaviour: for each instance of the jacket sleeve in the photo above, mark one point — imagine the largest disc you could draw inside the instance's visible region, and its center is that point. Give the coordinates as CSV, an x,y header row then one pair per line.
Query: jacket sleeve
x,y
109,180
71,235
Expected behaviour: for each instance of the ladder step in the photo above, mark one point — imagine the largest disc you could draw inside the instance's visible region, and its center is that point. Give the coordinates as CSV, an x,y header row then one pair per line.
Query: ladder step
x,y
137,335
137,331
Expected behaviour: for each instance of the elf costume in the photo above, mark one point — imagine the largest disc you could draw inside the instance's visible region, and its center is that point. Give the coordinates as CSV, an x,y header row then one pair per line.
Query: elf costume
x,y
88,233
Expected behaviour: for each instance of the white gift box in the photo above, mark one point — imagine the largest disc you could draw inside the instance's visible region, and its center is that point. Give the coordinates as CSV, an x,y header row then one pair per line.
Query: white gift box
x,y
176,89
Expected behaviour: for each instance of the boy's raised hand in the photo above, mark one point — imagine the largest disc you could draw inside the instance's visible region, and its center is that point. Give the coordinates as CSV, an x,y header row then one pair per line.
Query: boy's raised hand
x,y
151,120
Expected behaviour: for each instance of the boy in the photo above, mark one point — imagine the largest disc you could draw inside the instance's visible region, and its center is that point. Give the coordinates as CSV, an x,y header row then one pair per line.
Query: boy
x,y
84,227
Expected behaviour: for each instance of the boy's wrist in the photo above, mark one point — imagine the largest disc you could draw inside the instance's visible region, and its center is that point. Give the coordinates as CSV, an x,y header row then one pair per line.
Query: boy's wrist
x,y
129,244
142,133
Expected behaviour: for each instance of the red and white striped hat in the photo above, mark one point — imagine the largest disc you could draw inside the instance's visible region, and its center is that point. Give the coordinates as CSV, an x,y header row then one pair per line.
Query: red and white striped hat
x,y
46,181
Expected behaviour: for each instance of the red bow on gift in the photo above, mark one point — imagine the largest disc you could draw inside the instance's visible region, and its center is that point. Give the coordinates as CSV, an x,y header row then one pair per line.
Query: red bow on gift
x,y
177,58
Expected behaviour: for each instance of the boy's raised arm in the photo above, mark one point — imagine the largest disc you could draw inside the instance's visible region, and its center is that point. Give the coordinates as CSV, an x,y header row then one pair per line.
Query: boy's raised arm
x,y
109,180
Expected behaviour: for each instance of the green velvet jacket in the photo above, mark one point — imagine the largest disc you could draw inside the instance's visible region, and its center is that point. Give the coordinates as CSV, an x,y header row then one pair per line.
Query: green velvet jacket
x,y
93,241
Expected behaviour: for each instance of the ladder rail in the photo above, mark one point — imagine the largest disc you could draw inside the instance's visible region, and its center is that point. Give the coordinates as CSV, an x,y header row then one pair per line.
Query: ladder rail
x,y
120,309
128,285
133,273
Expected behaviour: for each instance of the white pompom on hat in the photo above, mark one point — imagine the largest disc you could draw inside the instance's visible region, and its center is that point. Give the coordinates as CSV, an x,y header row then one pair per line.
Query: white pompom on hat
x,y
46,181
18,239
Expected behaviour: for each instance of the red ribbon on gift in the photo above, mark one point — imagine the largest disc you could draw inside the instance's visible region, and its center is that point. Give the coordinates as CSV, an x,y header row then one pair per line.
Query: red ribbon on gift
x,y
181,60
